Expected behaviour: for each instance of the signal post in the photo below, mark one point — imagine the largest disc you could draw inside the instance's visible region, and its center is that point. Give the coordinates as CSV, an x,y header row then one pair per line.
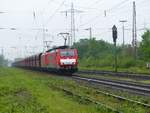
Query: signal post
x,y
115,35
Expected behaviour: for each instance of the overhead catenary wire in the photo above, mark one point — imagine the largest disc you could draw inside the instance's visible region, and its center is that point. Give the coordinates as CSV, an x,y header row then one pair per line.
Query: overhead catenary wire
x,y
113,9
52,16
142,1
43,10
117,5
79,6
95,2
102,12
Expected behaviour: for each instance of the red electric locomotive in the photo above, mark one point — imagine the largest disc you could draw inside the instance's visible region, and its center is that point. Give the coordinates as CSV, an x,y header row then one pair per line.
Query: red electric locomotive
x,y
62,59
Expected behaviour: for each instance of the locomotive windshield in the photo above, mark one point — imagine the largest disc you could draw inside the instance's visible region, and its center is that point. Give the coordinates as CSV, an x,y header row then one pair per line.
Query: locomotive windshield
x,y
67,53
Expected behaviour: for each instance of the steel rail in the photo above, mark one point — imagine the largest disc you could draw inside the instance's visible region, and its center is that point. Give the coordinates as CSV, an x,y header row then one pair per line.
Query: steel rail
x,y
117,81
124,98
117,74
135,88
121,98
86,98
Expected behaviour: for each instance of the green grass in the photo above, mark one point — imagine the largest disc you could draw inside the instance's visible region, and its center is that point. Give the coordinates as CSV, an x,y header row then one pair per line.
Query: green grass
x,y
127,107
23,91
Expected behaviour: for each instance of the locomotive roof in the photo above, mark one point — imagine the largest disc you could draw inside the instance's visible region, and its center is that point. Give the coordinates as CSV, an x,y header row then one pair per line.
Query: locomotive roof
x,y
59,47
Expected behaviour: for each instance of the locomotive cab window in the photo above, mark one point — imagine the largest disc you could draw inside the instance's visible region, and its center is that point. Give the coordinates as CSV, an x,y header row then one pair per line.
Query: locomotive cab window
x,y
64,53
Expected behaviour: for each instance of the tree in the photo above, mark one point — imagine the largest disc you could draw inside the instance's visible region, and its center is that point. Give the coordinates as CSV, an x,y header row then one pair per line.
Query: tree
x,y
3,62
94,52
99,53
145,46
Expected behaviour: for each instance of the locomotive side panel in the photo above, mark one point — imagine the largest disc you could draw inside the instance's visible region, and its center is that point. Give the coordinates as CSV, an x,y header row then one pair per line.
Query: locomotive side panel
x,y
52,60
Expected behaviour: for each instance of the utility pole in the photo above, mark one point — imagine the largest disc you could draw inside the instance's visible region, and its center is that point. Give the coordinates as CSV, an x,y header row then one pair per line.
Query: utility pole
x,y
44,36
90,30
72,11
2,52
123,21
72,24
134,32
144,25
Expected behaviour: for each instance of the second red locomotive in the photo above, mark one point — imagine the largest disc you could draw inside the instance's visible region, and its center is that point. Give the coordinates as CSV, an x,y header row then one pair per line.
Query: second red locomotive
x,y
62,59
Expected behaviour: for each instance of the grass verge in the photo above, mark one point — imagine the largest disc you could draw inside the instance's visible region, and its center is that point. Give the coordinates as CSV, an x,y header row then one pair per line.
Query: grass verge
x,y
23,91
27,92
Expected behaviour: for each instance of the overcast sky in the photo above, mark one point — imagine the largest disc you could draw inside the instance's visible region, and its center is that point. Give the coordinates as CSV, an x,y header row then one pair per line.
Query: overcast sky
x,y
29,16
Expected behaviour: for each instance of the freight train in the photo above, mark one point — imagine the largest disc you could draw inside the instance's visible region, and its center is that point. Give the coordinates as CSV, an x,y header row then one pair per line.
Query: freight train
x,y
58,59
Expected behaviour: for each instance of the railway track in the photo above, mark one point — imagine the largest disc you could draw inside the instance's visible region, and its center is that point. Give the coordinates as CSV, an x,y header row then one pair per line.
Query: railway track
x,y
142,90
122,85
135,88
87,99
116,74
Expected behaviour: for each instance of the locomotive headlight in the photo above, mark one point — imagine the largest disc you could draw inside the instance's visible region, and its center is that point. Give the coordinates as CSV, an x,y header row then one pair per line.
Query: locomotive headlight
x,y
67,61
61,63
73,62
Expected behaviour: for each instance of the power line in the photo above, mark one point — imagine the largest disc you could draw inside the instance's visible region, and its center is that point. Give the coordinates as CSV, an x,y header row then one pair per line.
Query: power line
x,y
96,2
51,17
96,17
78,6
105,12
118,5
43,10
91,20
141,1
